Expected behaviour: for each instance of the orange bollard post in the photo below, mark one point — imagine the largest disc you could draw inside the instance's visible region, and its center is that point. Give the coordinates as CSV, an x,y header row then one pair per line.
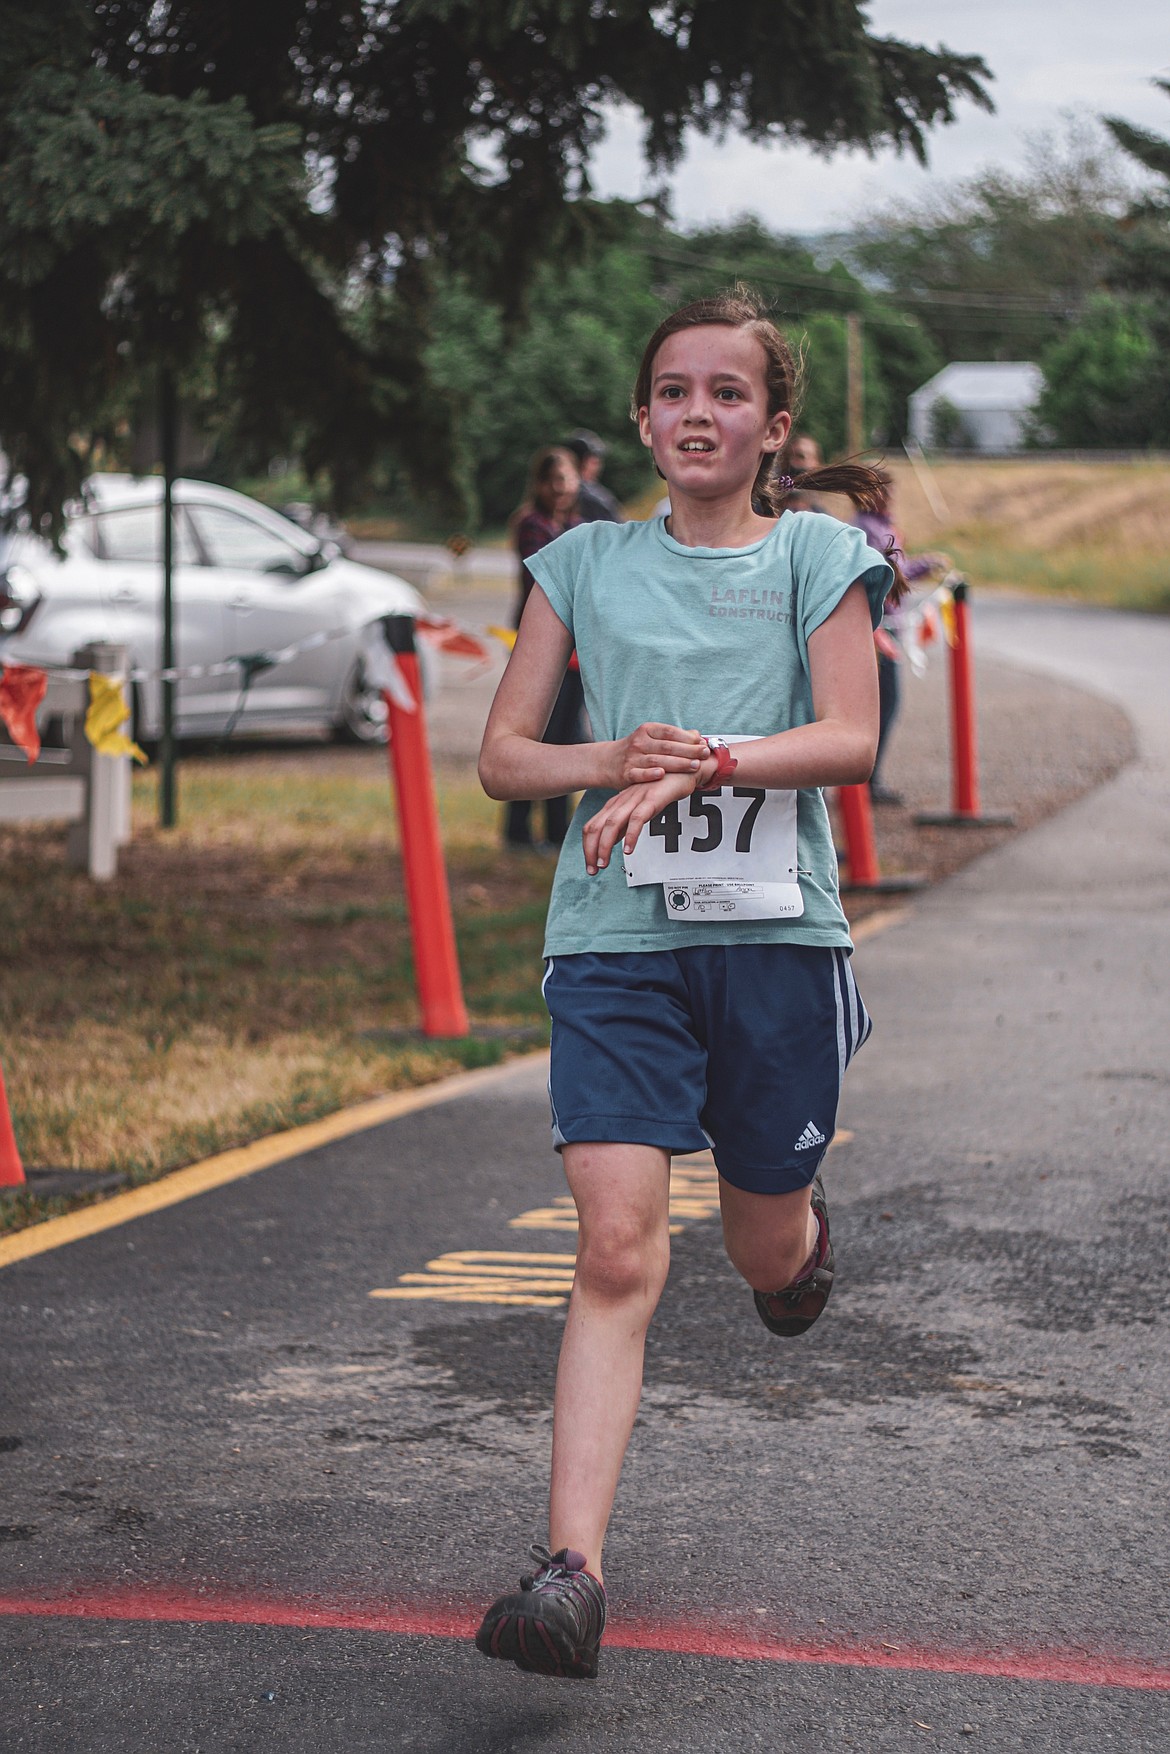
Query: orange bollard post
x,y
964,737
861,848
11,1168
964,744
436,962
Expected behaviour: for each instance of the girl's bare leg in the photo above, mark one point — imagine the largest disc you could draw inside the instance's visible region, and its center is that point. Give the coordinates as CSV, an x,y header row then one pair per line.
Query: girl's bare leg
x,y
623,1252
768,1237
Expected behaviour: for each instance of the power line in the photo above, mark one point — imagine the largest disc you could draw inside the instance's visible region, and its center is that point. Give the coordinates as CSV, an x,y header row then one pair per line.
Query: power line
x,y
1024,303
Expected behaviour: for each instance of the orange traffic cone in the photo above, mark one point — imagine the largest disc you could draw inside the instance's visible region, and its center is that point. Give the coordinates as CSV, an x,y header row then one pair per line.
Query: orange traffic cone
x,y
11,1168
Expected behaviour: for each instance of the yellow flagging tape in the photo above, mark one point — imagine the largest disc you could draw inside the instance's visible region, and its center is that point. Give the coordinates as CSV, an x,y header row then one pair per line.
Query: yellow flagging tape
x,y
107,713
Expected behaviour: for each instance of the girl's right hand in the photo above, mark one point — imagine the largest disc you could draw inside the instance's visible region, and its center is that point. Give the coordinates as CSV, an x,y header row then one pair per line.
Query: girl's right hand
x,y
624,816
653,751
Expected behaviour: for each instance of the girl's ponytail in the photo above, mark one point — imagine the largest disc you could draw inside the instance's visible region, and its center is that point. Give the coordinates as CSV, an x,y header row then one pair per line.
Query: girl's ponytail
x,y
867,487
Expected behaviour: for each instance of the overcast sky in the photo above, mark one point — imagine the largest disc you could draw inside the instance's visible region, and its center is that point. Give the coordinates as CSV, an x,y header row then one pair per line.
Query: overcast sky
x,y
1048,57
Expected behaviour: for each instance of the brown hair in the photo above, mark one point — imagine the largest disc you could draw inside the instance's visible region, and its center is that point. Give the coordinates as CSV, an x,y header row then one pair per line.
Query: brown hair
x,y
741,308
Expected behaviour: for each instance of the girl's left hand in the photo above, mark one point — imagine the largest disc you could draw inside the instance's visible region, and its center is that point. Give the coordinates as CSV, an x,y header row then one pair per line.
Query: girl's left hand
x,y
624,816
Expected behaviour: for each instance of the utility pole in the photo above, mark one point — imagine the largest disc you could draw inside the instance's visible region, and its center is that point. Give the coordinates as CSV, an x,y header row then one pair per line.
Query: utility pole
x,y
854,385
168,422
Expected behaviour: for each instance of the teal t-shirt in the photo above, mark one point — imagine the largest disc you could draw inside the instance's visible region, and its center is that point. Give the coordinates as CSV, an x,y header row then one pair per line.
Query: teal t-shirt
x,y
715,639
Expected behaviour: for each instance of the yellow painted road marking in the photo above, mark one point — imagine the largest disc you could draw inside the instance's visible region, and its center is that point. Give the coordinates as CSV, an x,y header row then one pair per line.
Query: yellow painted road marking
x,y
230,1166
556,1217
443,1295
506,1276
511,1255
875,923
544,1281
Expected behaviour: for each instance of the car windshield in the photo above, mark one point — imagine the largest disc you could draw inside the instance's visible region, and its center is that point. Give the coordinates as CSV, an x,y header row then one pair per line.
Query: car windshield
x,y
244,545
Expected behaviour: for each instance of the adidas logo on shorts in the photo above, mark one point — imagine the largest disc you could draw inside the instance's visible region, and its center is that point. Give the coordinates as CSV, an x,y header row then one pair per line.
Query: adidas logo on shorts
x,y
809,1138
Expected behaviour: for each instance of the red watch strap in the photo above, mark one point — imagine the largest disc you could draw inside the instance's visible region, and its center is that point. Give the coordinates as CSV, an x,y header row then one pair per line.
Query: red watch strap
x,y
725,767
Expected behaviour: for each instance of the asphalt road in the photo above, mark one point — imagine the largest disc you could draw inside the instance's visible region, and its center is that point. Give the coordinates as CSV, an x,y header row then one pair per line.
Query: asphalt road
x,y
256,1505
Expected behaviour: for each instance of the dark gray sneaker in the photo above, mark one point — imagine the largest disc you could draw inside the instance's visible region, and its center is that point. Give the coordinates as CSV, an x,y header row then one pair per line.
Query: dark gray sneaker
x,y
553,1624
796,1307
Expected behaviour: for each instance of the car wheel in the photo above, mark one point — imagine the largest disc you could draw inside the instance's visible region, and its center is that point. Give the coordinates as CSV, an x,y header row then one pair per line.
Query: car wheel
x,y
363,717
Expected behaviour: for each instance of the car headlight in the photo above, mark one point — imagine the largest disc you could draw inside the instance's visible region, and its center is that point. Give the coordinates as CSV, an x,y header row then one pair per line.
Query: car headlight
x,y
18,599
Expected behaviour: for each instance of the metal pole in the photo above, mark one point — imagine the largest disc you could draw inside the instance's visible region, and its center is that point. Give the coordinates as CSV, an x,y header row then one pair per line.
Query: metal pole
x,y
854,385
168,422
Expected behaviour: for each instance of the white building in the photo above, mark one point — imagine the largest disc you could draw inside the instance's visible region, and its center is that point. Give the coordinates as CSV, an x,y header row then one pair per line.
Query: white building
x,y
986,405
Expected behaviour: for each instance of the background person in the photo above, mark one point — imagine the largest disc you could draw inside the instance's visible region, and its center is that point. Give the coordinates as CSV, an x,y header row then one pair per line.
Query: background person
x,y
878,527
597,504
551,506
800,454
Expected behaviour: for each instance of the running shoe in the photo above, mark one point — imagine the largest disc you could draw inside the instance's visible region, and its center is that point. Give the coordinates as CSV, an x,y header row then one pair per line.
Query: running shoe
x,y
796,1307
553,1624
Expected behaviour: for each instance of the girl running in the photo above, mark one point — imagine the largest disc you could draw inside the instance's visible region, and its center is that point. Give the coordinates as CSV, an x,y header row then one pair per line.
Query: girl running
x,y
697,958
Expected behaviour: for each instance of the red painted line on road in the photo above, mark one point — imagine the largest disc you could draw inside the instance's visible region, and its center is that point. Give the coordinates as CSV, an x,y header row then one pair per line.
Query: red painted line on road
x,y
679,1637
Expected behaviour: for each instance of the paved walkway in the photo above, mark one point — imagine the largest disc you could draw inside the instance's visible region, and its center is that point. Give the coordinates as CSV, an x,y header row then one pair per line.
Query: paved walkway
x,y
255,1497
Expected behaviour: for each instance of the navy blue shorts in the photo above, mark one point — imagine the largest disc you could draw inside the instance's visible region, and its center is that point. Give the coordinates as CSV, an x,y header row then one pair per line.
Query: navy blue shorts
x,y
741,1047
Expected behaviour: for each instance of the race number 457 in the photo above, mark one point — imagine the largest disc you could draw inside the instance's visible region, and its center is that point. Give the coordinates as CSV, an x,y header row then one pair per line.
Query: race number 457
x,y
740,832
707,821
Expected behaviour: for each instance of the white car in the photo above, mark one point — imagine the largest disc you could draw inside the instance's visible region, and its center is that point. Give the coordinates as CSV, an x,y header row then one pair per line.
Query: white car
x,y
246,581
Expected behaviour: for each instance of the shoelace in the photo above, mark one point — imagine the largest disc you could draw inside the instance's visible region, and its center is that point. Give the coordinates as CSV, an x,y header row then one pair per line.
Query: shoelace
x,y
549,1567
578,1584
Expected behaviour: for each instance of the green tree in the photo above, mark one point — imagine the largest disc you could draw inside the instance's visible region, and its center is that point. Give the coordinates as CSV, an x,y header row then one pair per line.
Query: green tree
x,y
948,429
997,266
570,364
1142,262
573,360
215,185
1099,380
809,300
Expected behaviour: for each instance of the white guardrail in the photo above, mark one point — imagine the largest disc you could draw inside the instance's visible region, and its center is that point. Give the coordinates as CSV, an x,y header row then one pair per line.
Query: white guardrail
x,y
76,784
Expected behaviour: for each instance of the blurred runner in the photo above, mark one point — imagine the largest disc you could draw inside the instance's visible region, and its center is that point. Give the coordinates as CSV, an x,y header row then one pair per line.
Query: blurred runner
x,y
880,533
801,454
596,504
551,506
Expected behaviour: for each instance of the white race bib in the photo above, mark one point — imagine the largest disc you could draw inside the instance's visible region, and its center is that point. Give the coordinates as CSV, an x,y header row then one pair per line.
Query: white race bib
x,y
726,854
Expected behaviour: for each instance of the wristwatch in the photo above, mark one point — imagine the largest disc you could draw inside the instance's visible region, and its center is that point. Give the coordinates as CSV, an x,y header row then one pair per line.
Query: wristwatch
x,y
725,762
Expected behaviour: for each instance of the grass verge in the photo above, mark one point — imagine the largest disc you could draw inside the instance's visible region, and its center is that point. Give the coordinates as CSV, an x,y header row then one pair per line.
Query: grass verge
x,y
249,971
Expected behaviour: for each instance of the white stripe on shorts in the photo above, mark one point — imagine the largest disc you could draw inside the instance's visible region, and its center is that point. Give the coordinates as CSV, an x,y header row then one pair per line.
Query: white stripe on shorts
x,y
854,1004
558,1136
842,1051
863,1014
